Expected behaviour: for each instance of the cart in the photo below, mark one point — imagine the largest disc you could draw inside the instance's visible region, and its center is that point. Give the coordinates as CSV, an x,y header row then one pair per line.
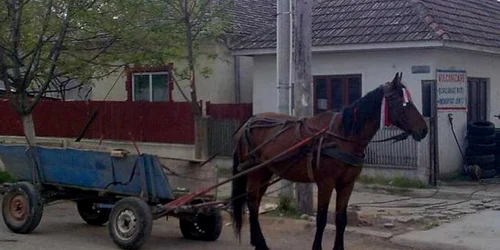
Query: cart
x,y
128,191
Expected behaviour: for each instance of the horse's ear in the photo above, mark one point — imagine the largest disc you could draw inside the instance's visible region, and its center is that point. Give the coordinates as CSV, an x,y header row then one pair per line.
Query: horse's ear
x,y
395,81
400,81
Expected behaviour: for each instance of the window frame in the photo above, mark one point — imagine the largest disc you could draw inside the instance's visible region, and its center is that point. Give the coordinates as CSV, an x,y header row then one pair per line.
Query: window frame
x,y
151,83
131,71
345,89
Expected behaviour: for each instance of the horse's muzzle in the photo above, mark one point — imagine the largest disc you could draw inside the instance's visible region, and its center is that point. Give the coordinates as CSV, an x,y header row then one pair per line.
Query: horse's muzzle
x,y
420,135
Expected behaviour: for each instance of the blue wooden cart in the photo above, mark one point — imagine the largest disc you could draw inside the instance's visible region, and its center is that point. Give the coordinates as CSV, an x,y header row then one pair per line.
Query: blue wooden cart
x,y
128,191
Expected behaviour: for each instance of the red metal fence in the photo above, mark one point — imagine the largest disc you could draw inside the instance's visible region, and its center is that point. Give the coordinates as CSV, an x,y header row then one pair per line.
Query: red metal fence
x,y
145,121
164,122
224,111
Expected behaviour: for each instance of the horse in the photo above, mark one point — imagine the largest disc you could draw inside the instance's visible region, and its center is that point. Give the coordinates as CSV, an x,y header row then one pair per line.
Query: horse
x,y
333,159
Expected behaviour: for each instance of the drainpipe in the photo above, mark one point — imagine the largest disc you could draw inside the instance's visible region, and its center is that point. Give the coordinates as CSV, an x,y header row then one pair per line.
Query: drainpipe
x,y
237,79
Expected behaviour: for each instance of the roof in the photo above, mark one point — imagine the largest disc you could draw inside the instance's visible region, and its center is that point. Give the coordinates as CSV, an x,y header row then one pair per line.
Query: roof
x,y
251,15
343,22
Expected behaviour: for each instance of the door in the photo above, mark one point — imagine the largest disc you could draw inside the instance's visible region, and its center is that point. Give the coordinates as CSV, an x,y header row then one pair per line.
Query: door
x,y
477,99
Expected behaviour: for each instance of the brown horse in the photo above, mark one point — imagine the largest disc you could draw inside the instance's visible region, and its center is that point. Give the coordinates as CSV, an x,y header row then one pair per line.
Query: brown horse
x,y
333,159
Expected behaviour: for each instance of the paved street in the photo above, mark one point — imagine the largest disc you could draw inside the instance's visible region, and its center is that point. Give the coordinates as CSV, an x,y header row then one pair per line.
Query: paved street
x,y
62,228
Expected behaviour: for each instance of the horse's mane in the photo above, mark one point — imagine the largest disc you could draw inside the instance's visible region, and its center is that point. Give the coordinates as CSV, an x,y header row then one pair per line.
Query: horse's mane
x,y
358,113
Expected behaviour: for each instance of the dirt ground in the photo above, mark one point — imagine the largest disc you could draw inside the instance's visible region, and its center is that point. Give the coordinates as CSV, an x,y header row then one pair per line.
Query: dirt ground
x,y
62,228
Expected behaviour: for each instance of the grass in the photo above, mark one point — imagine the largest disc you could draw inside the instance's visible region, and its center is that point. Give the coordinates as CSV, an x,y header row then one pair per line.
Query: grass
x,y
400,182
225,172
5,177
286,208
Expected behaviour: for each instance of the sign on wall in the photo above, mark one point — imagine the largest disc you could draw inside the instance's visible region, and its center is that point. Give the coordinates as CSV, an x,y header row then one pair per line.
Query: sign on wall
x,y
451,90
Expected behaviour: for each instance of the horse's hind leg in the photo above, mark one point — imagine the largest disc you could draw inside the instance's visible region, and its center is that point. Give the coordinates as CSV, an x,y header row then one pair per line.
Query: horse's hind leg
x,y
325,190
343,196
258,182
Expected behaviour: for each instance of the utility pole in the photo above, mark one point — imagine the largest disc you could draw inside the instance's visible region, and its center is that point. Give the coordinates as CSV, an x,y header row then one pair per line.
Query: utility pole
x,y
302,85
283,63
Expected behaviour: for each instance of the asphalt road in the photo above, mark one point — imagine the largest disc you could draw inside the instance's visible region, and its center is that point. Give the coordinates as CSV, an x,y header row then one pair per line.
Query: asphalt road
x,y
62,228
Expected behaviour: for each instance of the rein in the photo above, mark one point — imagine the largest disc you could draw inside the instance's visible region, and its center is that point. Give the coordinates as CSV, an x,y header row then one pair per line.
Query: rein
x,y
397,138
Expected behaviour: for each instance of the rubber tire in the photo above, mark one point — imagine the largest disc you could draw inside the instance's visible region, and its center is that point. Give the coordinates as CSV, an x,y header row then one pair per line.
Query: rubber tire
x,y
482,149
497,134
144,220
211,226
488,166
35,207
481,128
488,174
482,139
94,217
480,159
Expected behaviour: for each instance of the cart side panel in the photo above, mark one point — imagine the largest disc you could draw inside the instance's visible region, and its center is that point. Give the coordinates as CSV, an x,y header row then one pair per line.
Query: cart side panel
x,y
16,162
87,169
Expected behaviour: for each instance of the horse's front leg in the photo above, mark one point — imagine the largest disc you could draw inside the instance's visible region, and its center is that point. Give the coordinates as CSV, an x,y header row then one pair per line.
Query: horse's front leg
x,y
325,189
343,195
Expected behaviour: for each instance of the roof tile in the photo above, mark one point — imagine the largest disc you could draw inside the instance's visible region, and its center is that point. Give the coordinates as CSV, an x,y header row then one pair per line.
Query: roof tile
x,y
376,21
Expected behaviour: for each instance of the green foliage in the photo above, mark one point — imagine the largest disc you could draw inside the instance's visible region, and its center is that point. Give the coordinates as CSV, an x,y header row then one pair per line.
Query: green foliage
x,y
286,207
5,177
41,40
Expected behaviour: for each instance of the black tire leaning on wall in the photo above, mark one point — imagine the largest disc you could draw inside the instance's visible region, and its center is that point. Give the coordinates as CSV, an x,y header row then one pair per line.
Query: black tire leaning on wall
x,y
487,174
497,140
480,159
480,128
481,139
481,149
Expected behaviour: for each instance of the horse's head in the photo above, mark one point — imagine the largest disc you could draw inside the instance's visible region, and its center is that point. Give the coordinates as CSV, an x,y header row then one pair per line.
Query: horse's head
x,y
401,110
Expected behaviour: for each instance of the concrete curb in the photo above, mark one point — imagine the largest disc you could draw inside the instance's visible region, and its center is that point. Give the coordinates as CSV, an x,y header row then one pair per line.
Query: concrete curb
x,y
443,192
422,243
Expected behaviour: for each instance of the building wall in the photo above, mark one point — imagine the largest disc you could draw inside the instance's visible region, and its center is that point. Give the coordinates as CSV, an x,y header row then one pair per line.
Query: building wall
x,y
102,86
219,87
376,67
476,65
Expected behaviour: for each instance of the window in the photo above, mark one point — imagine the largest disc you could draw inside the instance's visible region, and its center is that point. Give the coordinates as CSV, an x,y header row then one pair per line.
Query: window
x,y
335,92
151,87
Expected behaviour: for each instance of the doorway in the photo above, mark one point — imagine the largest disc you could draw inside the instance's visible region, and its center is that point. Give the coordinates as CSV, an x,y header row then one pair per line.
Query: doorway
x,y
477,99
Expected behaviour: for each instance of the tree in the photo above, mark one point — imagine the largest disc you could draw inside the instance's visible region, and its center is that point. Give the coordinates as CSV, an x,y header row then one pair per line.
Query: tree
x,y
200,21
44,41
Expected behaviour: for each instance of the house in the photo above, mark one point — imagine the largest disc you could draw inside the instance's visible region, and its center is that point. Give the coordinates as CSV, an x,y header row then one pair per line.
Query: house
x,y
231,78
358,45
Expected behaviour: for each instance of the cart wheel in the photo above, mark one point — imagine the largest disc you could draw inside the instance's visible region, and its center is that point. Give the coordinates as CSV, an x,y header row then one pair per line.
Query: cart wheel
x,y
92,215
22,208
130,223
204,227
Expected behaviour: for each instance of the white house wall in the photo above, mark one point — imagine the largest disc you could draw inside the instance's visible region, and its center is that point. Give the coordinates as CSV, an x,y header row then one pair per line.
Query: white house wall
x,y
102,86
476,65
219,87
375,67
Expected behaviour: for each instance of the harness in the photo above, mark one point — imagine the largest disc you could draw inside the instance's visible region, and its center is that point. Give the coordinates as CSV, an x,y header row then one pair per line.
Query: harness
x,y
318,147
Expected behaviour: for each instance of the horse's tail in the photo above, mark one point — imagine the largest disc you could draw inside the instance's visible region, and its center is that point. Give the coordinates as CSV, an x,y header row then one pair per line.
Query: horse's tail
x,y
238,197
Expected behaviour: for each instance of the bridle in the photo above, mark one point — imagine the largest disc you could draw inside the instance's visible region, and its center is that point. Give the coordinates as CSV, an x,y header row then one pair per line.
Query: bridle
x,y
395,110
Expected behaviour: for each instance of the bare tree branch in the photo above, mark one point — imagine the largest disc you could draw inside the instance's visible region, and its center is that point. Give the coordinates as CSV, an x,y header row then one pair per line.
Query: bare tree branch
x,y
35,59
53,57
180,89
15,36
4,74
